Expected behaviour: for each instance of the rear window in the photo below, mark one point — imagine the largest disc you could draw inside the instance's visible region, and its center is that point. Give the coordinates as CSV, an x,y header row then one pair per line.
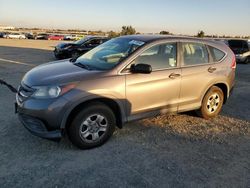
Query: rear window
x,y
238,44
217,54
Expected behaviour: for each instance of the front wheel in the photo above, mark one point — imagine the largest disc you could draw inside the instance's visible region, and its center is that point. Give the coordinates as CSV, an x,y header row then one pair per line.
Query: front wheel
x,y
92,126
212,103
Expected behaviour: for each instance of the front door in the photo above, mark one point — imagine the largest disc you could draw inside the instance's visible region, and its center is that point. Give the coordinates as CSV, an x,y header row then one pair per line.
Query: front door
x,y
158,90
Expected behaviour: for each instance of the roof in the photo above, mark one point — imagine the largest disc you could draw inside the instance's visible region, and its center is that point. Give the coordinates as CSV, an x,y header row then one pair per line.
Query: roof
x,y
151,38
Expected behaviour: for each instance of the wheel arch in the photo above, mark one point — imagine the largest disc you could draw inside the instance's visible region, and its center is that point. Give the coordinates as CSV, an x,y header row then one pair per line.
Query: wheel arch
x,y
223,86
115,106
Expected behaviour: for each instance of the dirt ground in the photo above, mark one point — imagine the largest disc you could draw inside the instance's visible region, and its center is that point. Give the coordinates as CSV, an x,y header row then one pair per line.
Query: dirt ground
x,y
166,151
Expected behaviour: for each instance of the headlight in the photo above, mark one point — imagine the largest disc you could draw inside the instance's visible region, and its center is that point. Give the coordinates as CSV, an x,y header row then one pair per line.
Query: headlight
x,y
47,92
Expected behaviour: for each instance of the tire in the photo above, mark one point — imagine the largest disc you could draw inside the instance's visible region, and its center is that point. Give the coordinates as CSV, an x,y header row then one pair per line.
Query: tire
x,y
212,103
58,57
92,126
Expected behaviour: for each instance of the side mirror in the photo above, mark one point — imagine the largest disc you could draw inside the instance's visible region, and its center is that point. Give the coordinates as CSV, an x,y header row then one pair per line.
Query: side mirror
x,y
141,68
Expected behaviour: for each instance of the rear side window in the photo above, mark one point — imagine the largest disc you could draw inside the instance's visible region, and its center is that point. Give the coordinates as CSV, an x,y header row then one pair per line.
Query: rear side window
x,y
216,54
194,54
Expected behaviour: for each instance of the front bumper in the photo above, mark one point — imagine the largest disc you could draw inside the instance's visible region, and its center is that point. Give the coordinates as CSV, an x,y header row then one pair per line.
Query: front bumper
x,y
38,128
60,53
42,117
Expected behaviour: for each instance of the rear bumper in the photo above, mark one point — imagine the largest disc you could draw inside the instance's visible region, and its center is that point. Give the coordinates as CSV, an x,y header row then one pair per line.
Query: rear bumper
x,y
38,128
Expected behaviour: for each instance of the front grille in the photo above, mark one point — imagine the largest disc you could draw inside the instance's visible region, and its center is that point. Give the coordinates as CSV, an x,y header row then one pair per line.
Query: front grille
x,y
24,92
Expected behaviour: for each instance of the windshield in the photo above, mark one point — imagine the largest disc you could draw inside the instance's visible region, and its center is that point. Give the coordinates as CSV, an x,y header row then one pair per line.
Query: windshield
x,y
82,40
109,54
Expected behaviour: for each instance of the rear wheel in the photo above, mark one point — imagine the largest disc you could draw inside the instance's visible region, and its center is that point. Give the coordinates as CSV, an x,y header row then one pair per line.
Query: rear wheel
x,y
212,103
92,126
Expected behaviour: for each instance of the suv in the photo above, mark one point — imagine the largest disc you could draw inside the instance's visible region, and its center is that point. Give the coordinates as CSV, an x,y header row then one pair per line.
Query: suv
x,y
241,48
125,79
75,49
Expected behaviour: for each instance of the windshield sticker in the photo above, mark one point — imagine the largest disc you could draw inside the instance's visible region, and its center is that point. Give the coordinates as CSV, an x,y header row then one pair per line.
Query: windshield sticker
x,y
136,42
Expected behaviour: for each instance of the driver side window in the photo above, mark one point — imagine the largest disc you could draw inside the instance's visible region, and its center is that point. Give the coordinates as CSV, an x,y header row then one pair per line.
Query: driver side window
x,y
160,56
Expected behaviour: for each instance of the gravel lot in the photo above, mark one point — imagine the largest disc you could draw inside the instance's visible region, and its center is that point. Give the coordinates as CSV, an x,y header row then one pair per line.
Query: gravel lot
x,y
167,151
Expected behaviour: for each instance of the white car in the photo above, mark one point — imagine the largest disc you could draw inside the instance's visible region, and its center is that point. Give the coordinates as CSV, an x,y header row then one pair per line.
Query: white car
x,y
70,37
15,36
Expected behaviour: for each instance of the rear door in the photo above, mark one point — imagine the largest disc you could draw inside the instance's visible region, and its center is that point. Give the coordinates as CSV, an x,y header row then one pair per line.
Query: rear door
x,y
160,89
198,71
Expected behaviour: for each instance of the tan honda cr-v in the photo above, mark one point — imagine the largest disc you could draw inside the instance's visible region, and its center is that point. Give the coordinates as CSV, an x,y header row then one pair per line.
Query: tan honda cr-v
x,y
125,79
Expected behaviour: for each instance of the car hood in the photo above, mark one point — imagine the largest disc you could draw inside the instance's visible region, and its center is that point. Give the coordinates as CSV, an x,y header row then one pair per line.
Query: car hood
x,y
58,73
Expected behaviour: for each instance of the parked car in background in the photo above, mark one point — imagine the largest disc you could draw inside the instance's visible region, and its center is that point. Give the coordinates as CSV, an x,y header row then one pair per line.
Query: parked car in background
x,y
76,49
41,36
79,37
15,36
55,37
1,35
123,80
70,37
5,34
241,48
29,36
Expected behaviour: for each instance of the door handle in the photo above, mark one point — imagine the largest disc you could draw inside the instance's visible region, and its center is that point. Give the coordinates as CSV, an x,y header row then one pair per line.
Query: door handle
x,y
174,75
211,69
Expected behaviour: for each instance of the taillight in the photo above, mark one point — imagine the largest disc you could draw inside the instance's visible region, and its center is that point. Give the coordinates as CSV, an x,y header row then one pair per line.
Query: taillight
x,y
233,65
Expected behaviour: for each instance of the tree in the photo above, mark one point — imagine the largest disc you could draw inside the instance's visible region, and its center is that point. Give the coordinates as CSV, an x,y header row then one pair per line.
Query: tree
x,y
128,30
201,34
165,33
112,34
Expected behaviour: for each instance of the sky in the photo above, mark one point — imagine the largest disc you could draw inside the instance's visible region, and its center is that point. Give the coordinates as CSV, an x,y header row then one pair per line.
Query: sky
x,y
229,17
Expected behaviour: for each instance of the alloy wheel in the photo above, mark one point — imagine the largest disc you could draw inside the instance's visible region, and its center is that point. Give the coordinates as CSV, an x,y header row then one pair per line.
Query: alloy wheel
x,y
93,128
213,103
